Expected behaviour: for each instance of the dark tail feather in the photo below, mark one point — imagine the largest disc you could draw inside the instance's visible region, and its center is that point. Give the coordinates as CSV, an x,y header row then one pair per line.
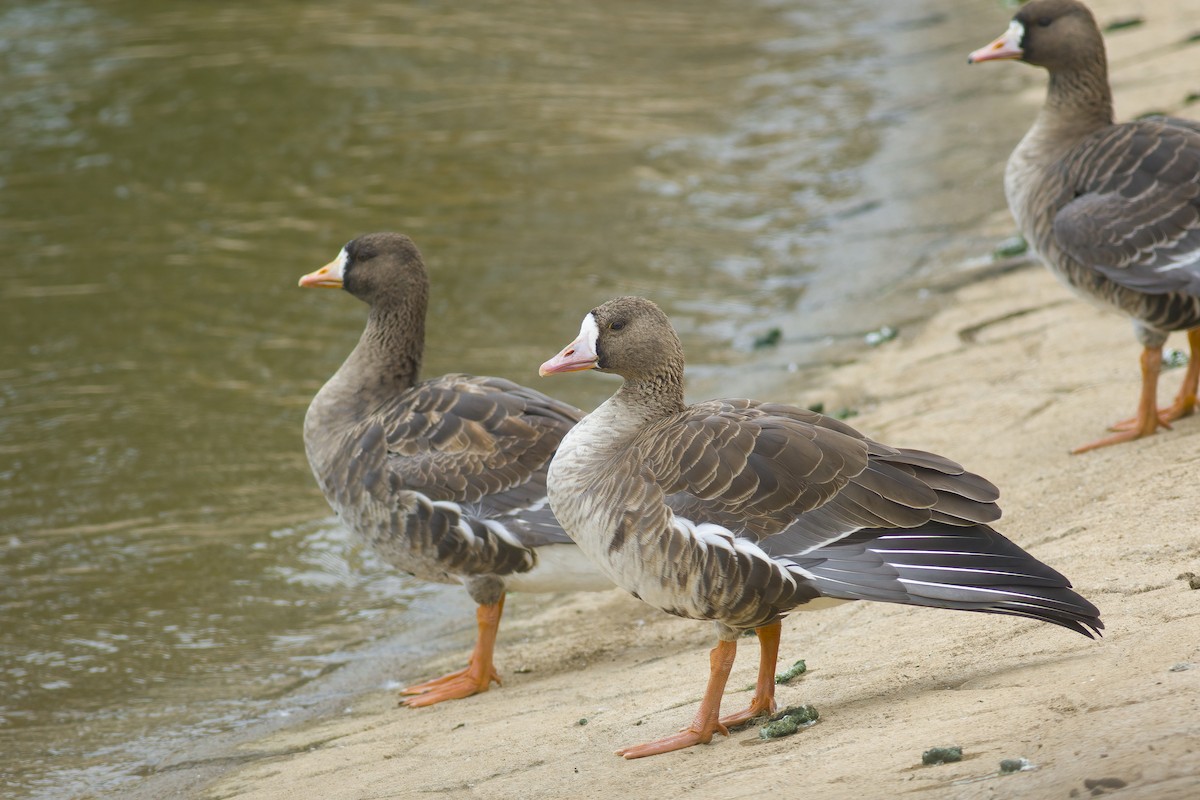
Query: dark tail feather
x,y
945,566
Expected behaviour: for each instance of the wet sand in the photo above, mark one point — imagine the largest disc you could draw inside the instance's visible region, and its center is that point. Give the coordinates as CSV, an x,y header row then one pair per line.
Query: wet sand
x,y
1007,377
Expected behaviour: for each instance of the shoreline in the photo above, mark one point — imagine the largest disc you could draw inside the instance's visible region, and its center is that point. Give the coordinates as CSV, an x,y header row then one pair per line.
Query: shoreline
x,y
1005,377
889,681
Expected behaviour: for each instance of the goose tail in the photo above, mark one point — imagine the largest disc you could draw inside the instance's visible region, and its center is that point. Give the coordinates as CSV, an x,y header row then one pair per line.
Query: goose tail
x,y
945,566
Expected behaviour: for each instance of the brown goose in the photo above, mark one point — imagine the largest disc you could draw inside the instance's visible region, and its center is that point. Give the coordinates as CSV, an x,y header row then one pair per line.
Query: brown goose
x,y
1113,210
446,478
738,511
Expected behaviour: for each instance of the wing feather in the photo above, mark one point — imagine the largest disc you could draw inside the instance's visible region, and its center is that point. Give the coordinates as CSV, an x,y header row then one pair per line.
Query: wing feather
x,y
1133,212
792,480
482,442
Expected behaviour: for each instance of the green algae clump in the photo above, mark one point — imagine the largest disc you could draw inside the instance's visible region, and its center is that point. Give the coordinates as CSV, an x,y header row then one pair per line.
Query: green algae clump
x,y
941,755
788,721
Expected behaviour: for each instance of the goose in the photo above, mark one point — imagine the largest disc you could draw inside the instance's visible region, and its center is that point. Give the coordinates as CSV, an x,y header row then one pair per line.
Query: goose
x,y
444,478
739,511
1112,209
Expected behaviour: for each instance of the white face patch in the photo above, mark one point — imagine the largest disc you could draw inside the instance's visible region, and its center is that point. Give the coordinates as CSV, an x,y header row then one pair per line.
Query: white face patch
x,y
337,267
589,331
1014,35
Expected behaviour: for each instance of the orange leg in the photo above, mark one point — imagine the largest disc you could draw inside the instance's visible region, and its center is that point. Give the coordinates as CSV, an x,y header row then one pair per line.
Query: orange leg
x,y
1185,401
706,722
475,678
764,690
1146,421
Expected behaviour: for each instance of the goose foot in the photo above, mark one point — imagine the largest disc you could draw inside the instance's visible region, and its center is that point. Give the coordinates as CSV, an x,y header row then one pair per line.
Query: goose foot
x,y
706,722
451,686
688,737
1147,420
475,678
1144,424
1116,438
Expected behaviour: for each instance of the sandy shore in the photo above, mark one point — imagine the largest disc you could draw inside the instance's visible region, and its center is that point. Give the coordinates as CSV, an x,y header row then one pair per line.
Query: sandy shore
x,y
1011,374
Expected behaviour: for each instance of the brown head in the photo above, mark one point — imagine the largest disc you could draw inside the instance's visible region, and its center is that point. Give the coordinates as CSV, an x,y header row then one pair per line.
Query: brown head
x,y
630,337
381,269
385,271
1060,35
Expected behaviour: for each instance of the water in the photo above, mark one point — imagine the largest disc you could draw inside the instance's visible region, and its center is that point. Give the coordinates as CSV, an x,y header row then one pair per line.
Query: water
x,y
168,569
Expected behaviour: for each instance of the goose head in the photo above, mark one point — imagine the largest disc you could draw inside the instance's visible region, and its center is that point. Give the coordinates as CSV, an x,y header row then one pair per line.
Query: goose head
x,y
627,336
378,268
1055,34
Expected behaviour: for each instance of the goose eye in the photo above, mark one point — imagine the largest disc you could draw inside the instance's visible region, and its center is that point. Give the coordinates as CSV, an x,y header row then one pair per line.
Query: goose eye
x,y
616,326
1044,22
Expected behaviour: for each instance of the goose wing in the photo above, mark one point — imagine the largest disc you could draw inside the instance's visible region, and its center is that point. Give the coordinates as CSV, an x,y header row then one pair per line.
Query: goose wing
x,y
794,480
1132,205
483,443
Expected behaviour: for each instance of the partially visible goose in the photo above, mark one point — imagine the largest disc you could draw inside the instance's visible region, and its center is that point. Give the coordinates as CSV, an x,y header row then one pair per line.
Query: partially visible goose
x,y
738,511
446,478
1113,210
